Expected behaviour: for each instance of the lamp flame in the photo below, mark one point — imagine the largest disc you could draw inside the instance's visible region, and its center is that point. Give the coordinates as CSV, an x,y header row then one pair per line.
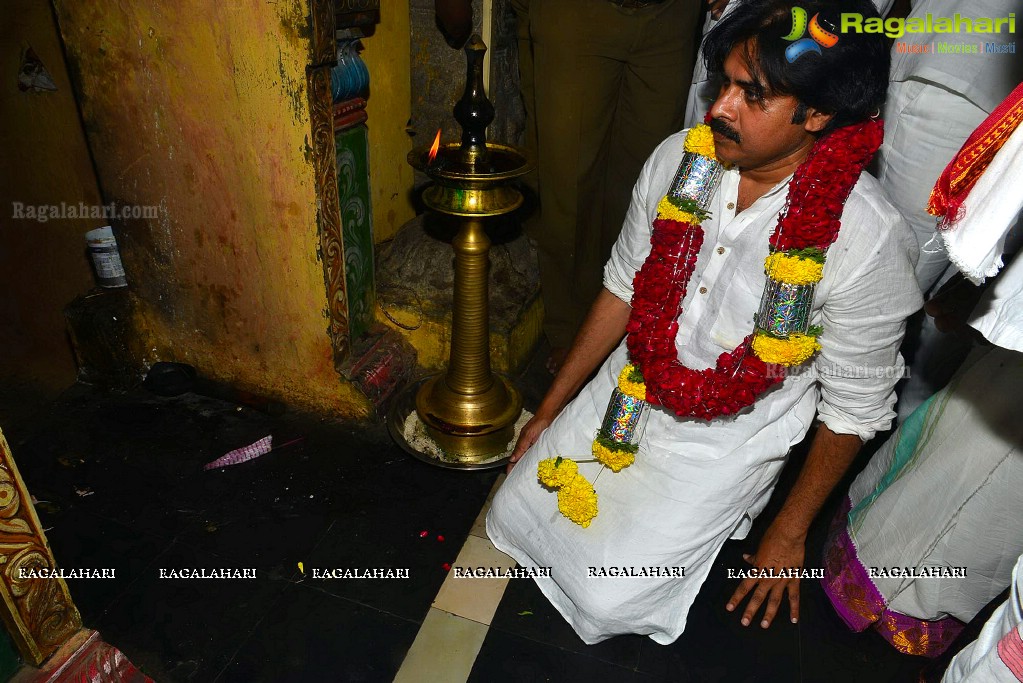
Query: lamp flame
x,y
434,148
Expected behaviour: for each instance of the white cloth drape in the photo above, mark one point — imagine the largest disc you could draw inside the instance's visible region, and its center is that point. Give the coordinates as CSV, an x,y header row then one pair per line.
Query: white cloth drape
x,y
970,449
976,241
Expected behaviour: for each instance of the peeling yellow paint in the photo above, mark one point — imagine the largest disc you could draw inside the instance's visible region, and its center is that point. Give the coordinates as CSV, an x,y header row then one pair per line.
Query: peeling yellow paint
x,y
200,108
389,107
510,349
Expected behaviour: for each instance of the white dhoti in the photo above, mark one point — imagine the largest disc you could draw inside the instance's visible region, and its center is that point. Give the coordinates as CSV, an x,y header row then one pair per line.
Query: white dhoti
x,y
673,508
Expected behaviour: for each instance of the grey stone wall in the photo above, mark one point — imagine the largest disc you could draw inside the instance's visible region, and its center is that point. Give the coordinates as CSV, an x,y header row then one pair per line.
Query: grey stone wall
x,y
438,77
509,123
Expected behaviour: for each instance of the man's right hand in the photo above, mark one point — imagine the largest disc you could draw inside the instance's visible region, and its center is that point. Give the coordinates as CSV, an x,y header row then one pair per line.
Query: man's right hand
x,y
603,328
531,431
952,305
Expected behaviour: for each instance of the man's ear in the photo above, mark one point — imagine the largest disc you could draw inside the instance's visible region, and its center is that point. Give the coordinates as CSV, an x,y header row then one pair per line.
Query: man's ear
x,y
816,120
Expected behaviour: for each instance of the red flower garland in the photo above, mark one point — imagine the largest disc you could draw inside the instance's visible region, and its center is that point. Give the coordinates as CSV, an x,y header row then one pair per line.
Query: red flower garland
x,y
811,218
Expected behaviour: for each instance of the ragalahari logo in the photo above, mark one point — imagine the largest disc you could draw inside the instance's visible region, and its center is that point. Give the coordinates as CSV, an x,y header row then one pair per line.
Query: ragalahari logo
x,y
819,36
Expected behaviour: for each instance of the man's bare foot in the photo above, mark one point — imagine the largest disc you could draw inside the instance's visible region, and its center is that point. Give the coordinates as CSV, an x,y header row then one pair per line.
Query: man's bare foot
x,y
556,359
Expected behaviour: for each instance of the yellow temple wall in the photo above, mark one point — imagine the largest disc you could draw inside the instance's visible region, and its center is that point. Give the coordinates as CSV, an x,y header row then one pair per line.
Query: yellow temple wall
x,y
386,55
201,110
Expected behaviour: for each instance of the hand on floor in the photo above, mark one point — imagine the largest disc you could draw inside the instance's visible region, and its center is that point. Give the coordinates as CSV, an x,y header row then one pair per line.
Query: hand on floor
x,y
779,553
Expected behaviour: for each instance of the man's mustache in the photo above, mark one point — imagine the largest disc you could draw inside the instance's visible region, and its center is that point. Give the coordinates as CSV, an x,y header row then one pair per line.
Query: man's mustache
x,y
720,126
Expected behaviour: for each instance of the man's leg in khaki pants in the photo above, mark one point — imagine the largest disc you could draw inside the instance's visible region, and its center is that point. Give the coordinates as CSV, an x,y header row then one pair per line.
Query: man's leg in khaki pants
x,y
593,65
650,105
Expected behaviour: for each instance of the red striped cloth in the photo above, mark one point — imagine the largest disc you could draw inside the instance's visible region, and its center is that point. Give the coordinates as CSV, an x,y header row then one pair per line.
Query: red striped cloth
x,y
1010,651
973,158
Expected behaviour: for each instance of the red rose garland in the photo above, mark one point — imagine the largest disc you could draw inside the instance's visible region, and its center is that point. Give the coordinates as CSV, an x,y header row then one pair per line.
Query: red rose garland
x,y
811,219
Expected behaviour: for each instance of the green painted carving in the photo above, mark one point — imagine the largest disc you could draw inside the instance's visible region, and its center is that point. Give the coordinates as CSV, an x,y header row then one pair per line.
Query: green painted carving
x,y
356,224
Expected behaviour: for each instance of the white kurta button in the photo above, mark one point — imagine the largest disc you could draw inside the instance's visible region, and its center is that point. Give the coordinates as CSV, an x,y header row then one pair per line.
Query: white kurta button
x,y
731,205
703,290
721,250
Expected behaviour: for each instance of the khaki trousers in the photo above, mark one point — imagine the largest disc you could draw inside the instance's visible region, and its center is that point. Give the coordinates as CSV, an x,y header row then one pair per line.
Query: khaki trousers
x,y
602,87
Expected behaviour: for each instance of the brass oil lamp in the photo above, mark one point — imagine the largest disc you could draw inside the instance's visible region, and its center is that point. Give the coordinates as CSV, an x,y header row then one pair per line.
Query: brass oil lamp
x,y
468,409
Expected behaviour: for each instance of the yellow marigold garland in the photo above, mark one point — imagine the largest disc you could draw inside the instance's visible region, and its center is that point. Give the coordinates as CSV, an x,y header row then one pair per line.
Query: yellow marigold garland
x,y
700,140
629,386
556,472
667,210
578,501
793,270
797,349
616,460
577,498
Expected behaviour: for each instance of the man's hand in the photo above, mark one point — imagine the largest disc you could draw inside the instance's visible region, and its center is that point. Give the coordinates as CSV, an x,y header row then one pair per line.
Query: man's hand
x,y
784,544
603,328
531,431
778,552
952,305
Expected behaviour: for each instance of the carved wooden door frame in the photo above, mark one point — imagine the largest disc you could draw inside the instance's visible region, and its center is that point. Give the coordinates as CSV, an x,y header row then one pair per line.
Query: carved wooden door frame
x,y
322,58
38,612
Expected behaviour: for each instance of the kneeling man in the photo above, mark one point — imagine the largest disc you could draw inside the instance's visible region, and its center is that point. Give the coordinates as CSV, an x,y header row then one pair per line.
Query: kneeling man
x,y
752,291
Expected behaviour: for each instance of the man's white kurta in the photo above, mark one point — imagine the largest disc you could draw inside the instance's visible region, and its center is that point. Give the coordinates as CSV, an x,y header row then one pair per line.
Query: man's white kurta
x,y
694,483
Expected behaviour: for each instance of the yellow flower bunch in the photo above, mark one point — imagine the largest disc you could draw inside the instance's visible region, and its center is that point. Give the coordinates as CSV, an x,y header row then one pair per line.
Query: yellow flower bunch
x,y
615,459
556,472
793,270
578,501
700,140
792,351
667,210
630,387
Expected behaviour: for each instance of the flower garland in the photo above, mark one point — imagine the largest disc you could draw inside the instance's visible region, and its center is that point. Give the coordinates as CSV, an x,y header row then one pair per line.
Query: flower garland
x,y
613,448
782,336
798,246
576,498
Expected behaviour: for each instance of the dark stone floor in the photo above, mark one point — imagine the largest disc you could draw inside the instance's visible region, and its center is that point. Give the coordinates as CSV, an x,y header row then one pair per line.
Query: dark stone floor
x,y
120,484
119,480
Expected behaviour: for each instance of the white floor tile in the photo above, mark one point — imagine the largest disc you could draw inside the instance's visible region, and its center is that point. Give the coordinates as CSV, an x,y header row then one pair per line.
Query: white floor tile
x,y
444,650
472,598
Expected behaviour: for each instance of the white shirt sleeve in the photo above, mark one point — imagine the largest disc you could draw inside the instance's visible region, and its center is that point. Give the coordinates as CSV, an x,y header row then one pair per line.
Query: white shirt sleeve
x,y
864,322
997,654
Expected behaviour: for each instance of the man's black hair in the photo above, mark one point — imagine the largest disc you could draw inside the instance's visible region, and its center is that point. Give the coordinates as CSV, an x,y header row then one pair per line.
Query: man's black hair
x,y
848,79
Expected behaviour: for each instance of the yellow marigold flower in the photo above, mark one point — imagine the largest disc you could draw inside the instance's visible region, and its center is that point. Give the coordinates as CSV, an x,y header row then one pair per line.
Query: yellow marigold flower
x,y
793,269
578,501
629,387
665,209
792,351
616,460
700,140
553,474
